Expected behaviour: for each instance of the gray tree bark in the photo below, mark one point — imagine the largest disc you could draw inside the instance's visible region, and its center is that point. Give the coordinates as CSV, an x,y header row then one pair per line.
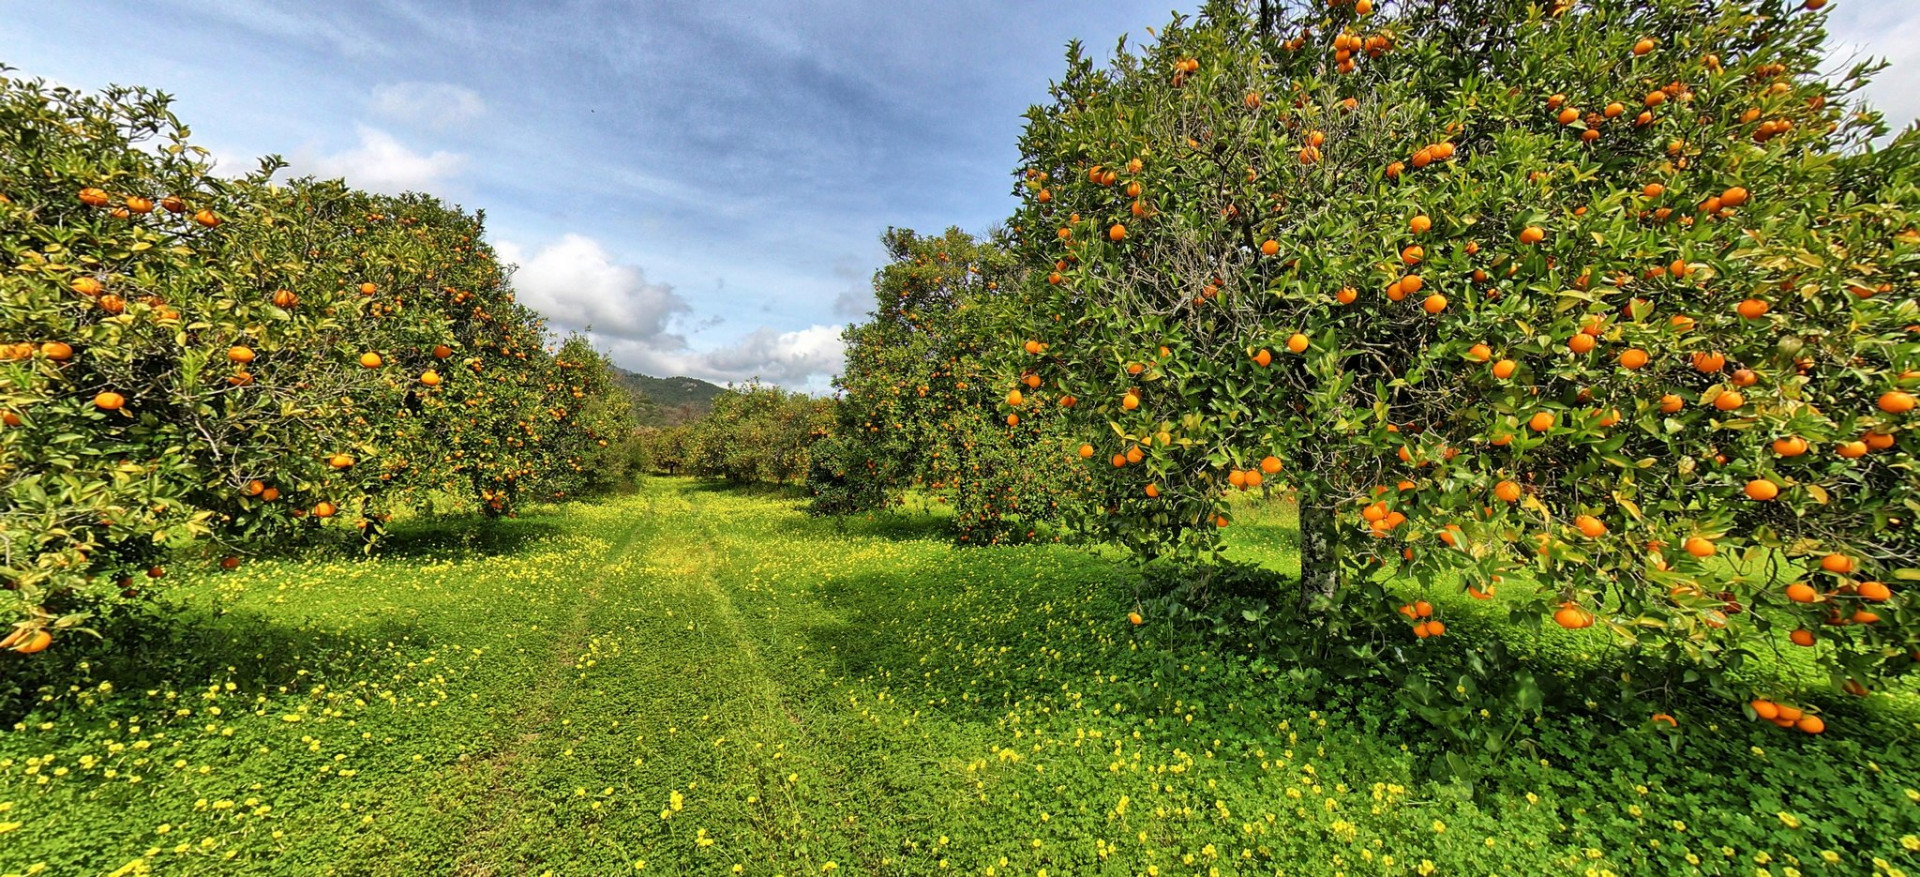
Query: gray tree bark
x,y
1319,562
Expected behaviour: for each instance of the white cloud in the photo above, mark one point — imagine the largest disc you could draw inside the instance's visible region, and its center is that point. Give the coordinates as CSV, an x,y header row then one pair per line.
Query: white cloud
x,y
432,104
781,357
578,285
382,163
1891,32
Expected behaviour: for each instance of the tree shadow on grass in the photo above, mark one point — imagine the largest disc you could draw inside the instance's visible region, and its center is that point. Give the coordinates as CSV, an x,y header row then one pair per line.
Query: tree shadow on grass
x,y
160,647
466,536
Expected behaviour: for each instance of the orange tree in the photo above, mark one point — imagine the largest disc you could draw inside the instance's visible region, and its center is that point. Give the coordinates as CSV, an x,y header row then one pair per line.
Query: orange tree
x,y
918,390
184,357
758,432
1608,298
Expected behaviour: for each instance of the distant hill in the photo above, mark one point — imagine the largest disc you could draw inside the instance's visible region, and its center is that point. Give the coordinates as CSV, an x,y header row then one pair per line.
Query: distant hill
x,y
667,401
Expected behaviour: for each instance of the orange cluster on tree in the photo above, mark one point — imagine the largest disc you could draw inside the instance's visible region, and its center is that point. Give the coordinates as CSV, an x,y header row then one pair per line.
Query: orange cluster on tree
x,y
1644,286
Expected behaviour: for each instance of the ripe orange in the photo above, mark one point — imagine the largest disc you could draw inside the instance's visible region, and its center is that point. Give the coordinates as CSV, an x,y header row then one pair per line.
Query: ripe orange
x,y
1130,401
1633,358
1297,343
1671,404
1263,358
1790,446
284,299
1346,295
87,286
1086,452
1811,724
1568,116
34,643
430,377
1573,617
1270,247
1434,303
206,218
1119,460
1761,489
1896,402
1014,398
1541,421
1708,363
1153,491
1271,465
1118,232
1504,368
1507,491
442,351
93,197
368,289
1879,441
1733,197
109,401
58,351
240,354
1644,46
1752,309
370,360
1875,592
1532,234
1590,526
1480,353
1729,400
1420,224
1699,546
1422,609
340,461
1135,619
1836,563
1581,342
323,510
1765,709
1852,450
1801,592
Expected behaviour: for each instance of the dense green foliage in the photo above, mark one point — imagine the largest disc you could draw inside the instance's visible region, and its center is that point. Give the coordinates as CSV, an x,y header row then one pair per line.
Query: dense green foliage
x,y
918,396
189,359
1608,299
753,432
694,678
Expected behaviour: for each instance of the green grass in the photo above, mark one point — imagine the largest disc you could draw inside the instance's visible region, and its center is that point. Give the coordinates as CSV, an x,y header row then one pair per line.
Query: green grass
x,y
698,678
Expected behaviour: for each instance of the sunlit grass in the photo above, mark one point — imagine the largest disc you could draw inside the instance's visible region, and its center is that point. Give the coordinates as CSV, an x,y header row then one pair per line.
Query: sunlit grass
x,y
694,679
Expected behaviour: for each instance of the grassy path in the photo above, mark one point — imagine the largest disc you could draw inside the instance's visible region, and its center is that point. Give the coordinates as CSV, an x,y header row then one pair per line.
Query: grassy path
x,y
694,680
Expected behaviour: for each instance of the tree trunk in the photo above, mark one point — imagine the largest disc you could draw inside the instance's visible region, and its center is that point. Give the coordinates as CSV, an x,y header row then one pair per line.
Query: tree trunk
x,y
1319,562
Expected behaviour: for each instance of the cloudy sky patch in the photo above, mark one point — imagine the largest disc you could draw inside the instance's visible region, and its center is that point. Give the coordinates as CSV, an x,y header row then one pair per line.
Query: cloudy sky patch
x,y
703,184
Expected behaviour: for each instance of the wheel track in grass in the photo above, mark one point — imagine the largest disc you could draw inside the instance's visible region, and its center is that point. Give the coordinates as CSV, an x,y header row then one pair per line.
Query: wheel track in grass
x,y
679,667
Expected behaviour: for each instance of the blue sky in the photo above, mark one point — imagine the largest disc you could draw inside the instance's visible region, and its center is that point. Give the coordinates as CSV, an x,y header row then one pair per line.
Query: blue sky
x,y
705,183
